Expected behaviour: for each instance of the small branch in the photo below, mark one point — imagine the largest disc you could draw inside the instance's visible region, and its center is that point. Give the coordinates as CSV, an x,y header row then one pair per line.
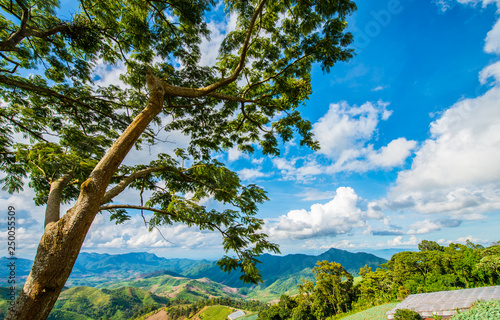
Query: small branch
x,y
252,120
128,206
11,119
52,211
274,76
109,195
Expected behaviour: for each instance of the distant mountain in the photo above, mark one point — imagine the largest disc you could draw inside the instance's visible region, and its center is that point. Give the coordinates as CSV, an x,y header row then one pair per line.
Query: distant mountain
x,y
277,267
94,269
101,270
23,267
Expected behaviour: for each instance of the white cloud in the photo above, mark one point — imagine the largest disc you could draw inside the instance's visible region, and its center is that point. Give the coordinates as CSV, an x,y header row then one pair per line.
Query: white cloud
x,y
249,174
398,241
315,194
492,42
457,170
347,127
339,216
133,234
234,154
463,240
427,226
218,31
378,88
110,74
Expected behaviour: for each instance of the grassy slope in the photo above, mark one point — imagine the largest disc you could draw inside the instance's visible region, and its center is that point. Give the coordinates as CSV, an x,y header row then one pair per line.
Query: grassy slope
x,y
95,304
215,313
375,313
182,288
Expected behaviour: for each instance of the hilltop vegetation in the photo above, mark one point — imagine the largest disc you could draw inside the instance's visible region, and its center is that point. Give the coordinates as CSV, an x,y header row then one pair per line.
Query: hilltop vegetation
x,y
327,291
433,268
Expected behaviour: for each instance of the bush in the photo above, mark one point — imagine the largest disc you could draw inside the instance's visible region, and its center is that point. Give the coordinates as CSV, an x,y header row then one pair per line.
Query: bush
x,y
484,310
406,314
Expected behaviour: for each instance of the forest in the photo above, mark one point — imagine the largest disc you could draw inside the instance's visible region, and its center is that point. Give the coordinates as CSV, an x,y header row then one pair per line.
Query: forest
x,y
432,268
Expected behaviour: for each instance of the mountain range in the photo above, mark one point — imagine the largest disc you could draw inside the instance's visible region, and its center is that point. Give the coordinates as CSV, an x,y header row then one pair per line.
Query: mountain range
x,y
100,270
119,286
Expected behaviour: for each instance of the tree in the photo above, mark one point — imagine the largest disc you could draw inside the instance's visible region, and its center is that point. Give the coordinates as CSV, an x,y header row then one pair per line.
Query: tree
x,y
427,245
333,292
77,133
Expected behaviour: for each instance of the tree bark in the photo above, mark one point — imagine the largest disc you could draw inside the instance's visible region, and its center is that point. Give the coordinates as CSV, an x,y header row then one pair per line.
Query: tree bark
x,y
52,210
62,240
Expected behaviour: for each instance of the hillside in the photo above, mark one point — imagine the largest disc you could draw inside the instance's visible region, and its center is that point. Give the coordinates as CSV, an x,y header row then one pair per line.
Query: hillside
x,y
180,287
103,270
274,268
122,303
86,303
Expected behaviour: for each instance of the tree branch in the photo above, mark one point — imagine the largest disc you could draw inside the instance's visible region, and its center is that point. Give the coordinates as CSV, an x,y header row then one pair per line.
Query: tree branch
x,y
51,93
52,211
128,206
198,92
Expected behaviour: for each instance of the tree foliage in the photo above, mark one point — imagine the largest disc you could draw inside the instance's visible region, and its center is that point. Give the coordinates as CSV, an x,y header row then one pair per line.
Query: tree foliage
x,y
77,132
442,268
434,268
331,293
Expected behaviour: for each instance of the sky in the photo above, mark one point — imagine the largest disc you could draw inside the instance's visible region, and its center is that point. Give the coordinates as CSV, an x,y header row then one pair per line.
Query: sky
x,y
410,144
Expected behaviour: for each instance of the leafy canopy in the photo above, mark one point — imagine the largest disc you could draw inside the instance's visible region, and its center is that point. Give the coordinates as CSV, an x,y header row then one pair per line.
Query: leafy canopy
x,y
50,95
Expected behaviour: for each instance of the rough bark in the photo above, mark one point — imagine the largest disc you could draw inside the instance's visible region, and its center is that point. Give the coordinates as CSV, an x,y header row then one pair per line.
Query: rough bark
x,y
52,210
62,240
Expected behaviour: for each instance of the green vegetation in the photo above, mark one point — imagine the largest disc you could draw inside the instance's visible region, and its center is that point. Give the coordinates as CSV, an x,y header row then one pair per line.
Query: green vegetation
x,y
406,314
433,268
332,293
90,303
374,313
483,310
78,132
215,313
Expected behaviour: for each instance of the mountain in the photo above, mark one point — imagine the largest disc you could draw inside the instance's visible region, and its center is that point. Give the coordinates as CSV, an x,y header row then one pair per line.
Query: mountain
x,y
94,269
23,267
92,303
277,267
183,288
101,270
85,303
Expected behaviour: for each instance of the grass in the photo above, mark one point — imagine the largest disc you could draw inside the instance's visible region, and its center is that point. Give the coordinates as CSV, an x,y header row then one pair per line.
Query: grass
x,y
375,313
215,313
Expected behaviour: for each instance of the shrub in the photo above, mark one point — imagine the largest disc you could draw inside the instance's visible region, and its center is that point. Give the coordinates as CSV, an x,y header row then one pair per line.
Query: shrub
x,y
406,314
485,310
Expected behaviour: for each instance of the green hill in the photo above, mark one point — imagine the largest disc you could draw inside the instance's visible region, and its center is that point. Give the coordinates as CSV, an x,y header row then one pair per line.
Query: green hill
x,y
180,287
90,303
276,268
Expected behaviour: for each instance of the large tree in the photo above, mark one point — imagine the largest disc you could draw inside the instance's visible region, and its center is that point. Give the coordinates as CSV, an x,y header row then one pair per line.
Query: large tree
x,y
77,133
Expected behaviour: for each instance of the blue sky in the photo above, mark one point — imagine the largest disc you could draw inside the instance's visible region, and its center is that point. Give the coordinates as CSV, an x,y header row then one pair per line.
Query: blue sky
x,y
410,137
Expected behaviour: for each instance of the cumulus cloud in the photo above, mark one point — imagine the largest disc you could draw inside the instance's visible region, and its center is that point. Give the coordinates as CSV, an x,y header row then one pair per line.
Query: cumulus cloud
x,y
251,174
339,216
344,133
346,127
133,234
210,47
399,242
463,240
457,169
427,225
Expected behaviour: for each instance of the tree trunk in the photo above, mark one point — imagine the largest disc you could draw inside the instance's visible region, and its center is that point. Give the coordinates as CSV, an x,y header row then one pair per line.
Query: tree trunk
x,y
62,240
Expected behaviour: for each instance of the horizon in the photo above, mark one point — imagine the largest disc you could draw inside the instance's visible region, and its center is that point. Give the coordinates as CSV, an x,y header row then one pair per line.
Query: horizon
x,y
409,144
371,252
